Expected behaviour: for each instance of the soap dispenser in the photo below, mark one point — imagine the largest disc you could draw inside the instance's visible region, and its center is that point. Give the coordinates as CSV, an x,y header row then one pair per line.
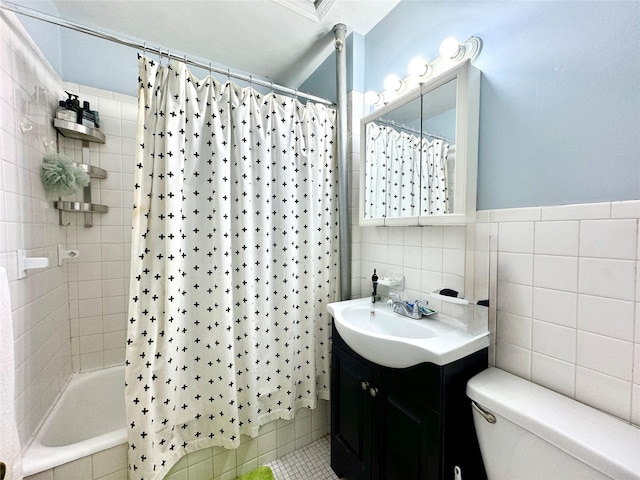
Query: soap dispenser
x,y
374,282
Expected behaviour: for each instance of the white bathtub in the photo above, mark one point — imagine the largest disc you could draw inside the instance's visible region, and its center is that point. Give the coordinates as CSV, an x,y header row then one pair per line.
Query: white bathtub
x,y
89,417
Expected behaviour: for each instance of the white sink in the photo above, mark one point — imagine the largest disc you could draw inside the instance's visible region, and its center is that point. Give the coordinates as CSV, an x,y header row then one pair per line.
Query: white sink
x,y
396,341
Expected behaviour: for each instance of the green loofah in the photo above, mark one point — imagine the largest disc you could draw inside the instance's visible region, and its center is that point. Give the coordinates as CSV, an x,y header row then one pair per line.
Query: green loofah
x,y
260,473
61,177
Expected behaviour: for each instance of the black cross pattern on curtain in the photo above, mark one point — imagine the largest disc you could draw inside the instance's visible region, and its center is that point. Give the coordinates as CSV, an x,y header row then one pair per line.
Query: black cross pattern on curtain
x,y
234,258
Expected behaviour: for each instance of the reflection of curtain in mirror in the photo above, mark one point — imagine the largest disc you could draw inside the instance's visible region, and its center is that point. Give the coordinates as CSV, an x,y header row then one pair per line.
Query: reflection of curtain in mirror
x,y
403,167
434,190
375,171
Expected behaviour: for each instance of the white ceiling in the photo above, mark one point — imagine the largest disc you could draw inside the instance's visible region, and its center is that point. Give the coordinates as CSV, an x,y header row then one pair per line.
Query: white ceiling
x,y
264,38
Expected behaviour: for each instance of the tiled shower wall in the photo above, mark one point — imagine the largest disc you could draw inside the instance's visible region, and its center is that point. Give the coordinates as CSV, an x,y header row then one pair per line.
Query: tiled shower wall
x,y
29,92
568,286
68,318
99,277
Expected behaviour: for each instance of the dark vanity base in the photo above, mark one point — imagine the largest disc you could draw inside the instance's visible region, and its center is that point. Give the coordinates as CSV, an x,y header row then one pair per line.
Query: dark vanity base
x,y
402,424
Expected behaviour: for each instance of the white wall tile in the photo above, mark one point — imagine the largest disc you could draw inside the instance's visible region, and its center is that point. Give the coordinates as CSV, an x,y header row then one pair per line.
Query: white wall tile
x,y
432,237
555,306
555,272
453,262
606,316
515,268
514,329
637,329
514,359
607,278
412,236
77,470
454,237
586,277
431,259
636,363
553,374
557,238
635,405
626,209
516,237
554,341
109,461
605,355
527,214
577,212
396,235
609,238
514,298
604,392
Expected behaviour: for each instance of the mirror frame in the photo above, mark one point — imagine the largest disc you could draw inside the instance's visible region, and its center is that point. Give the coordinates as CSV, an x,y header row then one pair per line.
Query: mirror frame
x,y
467,128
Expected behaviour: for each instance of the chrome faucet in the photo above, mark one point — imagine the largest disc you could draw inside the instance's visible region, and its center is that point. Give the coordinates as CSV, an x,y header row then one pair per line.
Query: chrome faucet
x,y
405,308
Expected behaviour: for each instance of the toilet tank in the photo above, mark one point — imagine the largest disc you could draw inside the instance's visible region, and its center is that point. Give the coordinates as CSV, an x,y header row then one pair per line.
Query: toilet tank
x,y
539,434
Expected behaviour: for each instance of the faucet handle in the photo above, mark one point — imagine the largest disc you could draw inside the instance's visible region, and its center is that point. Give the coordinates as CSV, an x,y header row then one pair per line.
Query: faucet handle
x,y
394,296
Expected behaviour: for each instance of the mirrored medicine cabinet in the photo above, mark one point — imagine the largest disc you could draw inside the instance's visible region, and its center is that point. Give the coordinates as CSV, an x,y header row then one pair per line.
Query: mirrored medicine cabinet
x,y
420,154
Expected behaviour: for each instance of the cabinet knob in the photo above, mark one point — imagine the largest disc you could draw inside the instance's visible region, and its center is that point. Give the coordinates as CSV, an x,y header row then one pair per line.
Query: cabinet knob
x,y
364,385
373,391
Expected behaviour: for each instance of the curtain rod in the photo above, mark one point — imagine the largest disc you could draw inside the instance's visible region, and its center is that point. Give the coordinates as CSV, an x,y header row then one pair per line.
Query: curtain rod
x,y
134,43
393,123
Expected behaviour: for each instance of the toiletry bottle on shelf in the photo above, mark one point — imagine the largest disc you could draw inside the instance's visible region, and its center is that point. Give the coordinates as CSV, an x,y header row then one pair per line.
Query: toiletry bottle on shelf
x,y
63,113
85,116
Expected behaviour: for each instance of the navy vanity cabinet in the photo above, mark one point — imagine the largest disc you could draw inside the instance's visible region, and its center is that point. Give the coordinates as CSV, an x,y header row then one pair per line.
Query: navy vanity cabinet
x,y
402,424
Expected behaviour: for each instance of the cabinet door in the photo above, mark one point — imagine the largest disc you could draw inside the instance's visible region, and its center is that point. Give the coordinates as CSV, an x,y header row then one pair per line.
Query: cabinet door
x,y
350,416
409,439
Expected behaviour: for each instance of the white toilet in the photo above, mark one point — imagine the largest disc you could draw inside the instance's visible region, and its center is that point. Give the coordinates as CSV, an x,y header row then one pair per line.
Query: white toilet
x,y
526,431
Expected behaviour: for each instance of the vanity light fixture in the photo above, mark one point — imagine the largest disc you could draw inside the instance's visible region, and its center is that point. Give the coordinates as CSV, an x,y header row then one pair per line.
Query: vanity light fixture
x,y
393,83
419,67
451,52
374,98
470,48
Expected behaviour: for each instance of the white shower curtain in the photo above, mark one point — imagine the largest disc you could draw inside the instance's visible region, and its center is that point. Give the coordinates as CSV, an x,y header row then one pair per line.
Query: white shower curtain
x,y
434,178
404,174
234,257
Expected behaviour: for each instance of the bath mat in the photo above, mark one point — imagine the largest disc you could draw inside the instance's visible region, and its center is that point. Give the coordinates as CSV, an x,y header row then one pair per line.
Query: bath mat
x,y
260,473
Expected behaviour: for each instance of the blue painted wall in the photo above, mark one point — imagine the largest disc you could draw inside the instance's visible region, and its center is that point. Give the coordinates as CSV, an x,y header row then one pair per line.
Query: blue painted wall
x,y
560,100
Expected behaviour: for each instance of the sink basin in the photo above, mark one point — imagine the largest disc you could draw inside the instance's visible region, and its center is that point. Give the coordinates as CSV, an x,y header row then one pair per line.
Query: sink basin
x,y
396,341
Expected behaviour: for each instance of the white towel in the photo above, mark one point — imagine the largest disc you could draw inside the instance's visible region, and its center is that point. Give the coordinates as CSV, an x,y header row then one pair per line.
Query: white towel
x,y
10,451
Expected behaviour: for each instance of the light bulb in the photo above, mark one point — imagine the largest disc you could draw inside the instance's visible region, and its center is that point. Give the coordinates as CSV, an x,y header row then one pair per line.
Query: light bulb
x,y
418,67
373,98
393,83
449,47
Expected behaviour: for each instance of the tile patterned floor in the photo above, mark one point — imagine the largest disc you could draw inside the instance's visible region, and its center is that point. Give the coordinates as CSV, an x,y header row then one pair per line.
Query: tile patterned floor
x,y
306,463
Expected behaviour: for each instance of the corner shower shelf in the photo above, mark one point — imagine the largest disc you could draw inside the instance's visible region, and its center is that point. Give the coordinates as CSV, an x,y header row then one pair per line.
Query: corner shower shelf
x,y
94,172
78,131
80,207
86,134
83,207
